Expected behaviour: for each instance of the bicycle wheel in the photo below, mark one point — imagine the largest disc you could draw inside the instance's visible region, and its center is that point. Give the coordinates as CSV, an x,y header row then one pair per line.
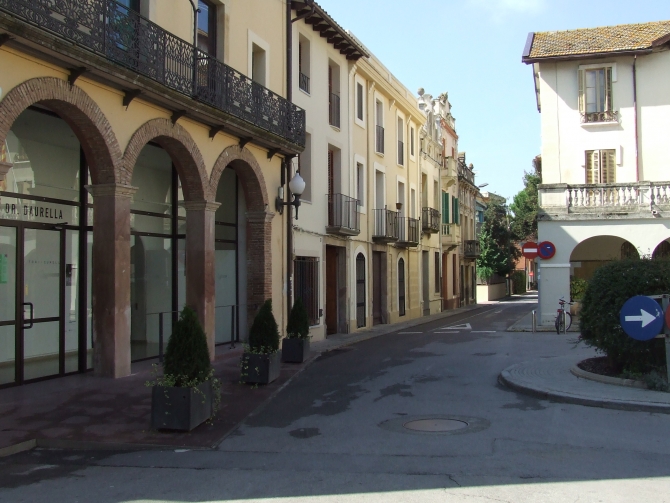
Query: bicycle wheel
x,y
559,323
568,321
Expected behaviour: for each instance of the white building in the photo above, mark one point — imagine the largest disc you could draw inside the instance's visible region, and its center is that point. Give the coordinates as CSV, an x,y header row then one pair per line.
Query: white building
x,y
605,107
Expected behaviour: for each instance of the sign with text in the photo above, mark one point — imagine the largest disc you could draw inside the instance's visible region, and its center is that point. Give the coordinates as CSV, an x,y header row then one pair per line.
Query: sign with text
x,y
641,318
27,210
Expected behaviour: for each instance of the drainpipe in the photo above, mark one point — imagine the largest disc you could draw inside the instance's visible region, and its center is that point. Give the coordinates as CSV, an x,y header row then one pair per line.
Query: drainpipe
x,y
637,138
195,42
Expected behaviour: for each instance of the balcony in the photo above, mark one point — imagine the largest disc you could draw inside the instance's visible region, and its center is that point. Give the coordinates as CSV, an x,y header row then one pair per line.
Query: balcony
x,y
343,215
386,228
613,200
334,110
112,31
471,248
303,82
401,153
600,117
465,172
430,219
379,140
408,235
450,236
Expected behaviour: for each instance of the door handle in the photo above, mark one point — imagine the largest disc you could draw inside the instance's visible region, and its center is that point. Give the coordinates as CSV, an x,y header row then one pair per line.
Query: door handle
x,y
29,323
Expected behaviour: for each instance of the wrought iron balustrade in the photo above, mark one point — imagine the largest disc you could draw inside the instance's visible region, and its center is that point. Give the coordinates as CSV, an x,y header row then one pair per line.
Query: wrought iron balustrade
x,y
379,139
343,215
471,248
401,153
303,82
593,117
430,218
386,225
465,173
334,110
121,35
408,231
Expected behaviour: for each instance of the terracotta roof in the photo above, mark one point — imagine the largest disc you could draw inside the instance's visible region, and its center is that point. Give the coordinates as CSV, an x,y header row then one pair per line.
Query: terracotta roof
x,y
602,40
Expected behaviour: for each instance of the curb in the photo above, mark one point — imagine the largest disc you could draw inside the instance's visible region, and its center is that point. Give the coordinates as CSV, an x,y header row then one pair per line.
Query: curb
x,y
617,381
505,379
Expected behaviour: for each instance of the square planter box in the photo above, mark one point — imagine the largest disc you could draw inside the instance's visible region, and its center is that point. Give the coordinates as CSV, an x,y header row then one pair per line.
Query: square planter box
x,y
180,408
260,369
294,350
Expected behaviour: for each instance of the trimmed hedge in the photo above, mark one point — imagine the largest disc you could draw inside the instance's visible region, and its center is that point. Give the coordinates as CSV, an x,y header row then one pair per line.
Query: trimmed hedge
x,y
519,281
264,333
298,321
187,354
611,286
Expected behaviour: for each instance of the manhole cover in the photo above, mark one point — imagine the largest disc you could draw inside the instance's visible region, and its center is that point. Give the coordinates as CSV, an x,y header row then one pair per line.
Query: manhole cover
x,y
435,425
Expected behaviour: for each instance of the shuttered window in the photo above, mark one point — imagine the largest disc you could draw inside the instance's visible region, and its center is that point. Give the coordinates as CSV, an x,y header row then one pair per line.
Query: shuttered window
x,y
601,166
445,207
455,210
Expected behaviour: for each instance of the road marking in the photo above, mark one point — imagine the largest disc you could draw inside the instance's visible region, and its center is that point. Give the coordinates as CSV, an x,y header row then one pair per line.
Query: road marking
x,y
498,312
452,332
410,332
463,326
483,331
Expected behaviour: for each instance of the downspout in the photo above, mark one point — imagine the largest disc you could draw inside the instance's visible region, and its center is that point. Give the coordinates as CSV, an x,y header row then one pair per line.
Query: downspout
x,y
637,138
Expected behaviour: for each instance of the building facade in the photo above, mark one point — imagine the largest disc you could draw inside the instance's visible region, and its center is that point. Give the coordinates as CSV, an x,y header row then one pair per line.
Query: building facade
x,y
604,194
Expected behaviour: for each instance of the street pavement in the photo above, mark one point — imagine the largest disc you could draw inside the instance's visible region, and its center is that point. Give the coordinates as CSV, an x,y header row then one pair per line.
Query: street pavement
x,y
336,433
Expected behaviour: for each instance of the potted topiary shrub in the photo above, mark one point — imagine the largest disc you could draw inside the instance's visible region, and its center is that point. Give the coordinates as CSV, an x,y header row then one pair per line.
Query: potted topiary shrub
x,y
186,394
261,360
295,346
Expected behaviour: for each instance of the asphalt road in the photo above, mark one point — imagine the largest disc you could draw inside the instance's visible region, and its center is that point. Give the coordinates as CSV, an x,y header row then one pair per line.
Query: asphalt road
x,y
337,433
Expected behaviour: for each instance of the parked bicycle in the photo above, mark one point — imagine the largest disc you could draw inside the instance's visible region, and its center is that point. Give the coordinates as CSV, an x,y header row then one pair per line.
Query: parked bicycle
x,y
563,317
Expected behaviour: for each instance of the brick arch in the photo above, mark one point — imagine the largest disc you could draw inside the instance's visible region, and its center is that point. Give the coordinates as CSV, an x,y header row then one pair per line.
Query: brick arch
x,y
181,148
79,111
248,171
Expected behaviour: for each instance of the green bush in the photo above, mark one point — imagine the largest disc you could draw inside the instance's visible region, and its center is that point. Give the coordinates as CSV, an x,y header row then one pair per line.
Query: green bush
x,y
578,288
611,286
264,333
519,281
298,321
187,354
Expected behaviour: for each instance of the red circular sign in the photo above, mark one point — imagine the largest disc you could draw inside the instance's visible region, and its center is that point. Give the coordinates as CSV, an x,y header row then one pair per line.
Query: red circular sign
x,y
546,250
529,250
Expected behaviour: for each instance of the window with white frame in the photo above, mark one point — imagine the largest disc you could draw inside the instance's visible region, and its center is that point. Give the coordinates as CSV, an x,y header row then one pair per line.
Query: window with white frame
x,y
303,63
360,184
258,64
333,94
411,141
595,95
360,103
401,141
379,127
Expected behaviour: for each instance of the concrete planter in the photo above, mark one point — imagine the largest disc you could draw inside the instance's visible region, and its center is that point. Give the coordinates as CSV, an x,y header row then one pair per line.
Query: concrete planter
x,y
295,350
181,409
260,369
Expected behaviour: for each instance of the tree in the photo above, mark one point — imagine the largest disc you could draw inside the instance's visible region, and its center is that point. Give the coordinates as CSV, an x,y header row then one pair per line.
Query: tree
x,y
498,252
525,206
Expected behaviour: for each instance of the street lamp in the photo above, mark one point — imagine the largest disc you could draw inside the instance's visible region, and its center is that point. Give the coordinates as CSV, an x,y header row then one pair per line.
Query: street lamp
x,y
482,185
297,187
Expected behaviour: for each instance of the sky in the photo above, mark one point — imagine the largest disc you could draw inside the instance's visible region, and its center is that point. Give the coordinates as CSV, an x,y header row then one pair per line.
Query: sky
x,y
472,49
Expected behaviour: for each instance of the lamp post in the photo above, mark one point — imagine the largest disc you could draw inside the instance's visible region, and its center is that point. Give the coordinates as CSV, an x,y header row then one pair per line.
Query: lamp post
x,y
296,187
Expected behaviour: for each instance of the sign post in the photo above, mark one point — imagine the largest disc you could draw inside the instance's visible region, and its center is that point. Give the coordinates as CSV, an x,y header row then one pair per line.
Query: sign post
x,y
641,318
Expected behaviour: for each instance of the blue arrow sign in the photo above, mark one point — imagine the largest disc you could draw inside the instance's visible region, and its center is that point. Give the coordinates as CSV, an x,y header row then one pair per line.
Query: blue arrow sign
x,y
641,318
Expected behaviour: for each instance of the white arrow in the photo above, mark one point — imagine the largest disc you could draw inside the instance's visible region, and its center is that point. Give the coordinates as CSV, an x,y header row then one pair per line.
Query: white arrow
x,y
644,317
464,326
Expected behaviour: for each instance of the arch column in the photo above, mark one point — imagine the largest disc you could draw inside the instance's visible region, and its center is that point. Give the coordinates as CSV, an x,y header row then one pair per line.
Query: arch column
x,y
4,169
259,259
200,271
111,278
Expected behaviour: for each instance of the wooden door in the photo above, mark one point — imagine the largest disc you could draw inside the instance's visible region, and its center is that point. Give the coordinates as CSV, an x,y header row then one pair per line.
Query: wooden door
x,y
331,290
376,288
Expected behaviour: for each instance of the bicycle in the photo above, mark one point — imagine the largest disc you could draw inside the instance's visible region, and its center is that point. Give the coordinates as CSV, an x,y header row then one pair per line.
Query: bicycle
x,y
563,316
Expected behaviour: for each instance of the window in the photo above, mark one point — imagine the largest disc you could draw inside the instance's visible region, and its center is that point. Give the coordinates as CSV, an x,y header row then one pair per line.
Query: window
x,y
437,272
359,101
379,127
401,144
455,211
445,211
360,184
401,287
207,27
360,290
303,63
412,203
411,141
306,277
258,64
380,183
601,166
305,168
334,94
436,194
595,95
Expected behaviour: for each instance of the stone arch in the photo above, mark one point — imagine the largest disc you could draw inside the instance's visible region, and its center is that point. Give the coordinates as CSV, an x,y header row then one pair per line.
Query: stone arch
x,y
183,151
79,111
662,250
595,251
259,222
248,171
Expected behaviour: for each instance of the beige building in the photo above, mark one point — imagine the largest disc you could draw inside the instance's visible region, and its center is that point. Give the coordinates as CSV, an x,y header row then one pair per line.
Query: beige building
x,y
137,175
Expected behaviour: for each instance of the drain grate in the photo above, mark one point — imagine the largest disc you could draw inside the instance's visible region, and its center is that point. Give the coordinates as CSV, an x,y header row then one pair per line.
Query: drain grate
x,y
435,425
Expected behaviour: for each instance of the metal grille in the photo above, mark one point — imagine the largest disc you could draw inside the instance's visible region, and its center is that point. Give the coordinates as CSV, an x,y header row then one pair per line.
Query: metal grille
x,y
306,278
343,212
401,287
379,140
112,30
386,224
360,290
408,230
430,218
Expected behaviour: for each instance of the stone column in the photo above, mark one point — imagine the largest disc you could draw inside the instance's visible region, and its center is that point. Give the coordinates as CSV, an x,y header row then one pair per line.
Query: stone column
x,y
259,261
200,279
111,279
4,168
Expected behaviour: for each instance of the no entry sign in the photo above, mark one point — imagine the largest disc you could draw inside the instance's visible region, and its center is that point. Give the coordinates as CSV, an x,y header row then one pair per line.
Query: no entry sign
x,y
529,250
546,250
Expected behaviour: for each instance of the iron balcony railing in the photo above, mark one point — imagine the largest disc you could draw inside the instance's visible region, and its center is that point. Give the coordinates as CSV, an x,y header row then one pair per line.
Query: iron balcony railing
x,y
607,116
343,215
430,219
334,110
386,225
401,153
112,30
471,248
408,234
379,139
465,172
303,82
